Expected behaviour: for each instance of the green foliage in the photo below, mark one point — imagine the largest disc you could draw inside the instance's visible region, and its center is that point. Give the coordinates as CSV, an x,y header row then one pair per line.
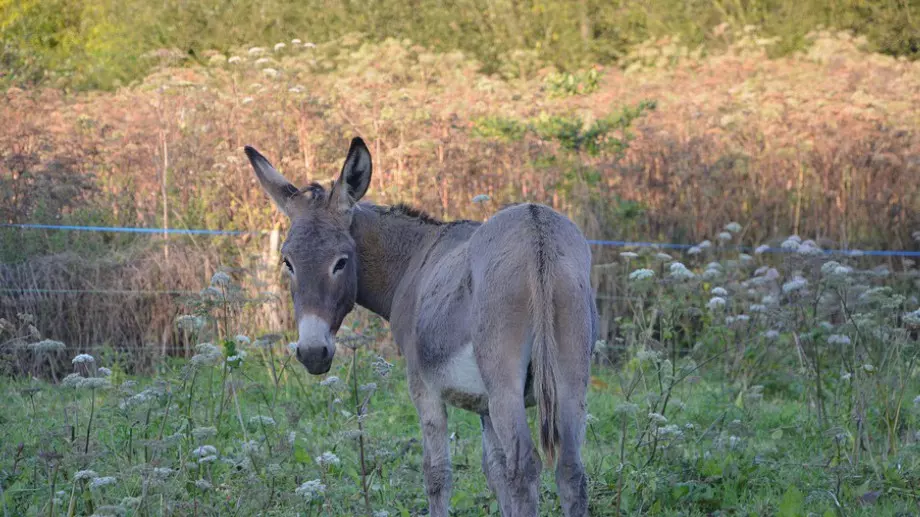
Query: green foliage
x,y
105,43
572,133
563,84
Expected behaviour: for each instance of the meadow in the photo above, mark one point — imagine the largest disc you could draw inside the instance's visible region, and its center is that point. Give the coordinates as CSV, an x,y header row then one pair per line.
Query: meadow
x,y
765,367
771,383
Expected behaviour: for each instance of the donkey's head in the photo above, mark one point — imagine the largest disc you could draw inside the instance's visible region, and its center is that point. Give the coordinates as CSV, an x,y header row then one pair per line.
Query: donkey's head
x,y
319,252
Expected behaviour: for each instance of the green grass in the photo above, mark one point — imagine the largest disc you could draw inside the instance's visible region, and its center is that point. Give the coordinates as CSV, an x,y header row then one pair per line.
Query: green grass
x,y
740,387
763,456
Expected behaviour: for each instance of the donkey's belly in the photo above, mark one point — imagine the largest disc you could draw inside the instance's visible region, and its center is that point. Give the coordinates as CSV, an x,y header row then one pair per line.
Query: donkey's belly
x,y
461,382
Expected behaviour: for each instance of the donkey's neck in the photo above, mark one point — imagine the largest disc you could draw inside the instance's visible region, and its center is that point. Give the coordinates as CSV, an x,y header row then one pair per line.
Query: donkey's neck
x,y
386,243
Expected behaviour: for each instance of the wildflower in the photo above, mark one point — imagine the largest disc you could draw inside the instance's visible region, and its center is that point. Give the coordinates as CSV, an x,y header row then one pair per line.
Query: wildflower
x,y
647,355
670,430
760,250
694,250
203,433
256,51
208,459
626,408
279,47
716,303
310,489
734,442
84,474
917,401
838,339
295,41
796,284
381,513
330,381
262,420
912,319
104,372
47,345
327,459
381,366
270,72
826,325
205,450
809,247
657,418
680,271
713,270
744,257
725,236
371,386
790,245
101,482
296,89
757,308
772,335
481,198
291,438
869,368
733,227
208,354
83,358
73,380
705,244
846,376
641,274
203,484
629,255
719,291
664,257
95,383
234,59
769,300
309,45
242,340
189,322
220,278
247,100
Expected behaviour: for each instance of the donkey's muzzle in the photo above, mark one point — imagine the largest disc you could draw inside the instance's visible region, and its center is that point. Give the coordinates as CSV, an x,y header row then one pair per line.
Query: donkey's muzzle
x,y
315,347
317,359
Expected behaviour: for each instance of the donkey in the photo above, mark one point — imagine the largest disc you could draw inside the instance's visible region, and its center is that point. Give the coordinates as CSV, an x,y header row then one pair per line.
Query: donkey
x,y
491,317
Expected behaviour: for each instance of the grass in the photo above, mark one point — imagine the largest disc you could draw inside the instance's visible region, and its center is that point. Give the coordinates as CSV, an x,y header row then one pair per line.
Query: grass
x,y
804,404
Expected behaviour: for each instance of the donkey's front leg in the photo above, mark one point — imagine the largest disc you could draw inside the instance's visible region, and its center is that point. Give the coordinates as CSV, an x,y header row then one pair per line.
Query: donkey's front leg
x,y
432,416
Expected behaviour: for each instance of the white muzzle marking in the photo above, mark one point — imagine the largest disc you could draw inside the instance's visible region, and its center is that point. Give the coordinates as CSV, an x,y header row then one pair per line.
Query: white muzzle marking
x,y
313,332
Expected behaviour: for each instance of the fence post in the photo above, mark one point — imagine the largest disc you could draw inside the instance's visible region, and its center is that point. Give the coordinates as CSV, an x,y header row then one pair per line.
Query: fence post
x,y
272,310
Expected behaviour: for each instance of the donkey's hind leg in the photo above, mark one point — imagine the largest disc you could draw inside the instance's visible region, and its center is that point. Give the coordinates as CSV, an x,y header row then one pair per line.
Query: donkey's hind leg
x,y
501,349
575,337
493,465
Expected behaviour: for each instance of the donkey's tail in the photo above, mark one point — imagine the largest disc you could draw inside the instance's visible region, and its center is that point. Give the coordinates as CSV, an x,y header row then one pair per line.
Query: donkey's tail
x,y
544,352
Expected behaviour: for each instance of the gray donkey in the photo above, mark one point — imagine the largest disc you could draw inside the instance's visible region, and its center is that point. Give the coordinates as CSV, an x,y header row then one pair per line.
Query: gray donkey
x,y
491,317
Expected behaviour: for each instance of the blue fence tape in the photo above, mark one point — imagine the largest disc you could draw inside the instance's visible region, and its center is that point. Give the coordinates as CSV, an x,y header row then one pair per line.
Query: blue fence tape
x,y
128,229
622,244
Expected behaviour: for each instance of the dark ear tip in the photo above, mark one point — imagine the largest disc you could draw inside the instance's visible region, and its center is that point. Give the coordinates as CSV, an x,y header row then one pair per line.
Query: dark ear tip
x,y
251,152
358,143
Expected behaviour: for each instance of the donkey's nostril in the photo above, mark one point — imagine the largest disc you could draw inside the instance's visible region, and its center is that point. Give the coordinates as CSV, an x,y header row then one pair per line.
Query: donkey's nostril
x,y
325,353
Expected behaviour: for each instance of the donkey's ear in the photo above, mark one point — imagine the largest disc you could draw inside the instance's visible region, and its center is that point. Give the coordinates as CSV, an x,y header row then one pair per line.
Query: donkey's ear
x,y
355,178
280,189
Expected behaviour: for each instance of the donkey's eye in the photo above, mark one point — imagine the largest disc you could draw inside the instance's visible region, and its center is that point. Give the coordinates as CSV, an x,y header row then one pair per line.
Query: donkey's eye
x,y
339,265
288,265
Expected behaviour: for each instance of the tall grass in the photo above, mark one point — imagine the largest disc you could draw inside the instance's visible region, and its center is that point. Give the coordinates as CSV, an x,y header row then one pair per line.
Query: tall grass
x,y
736,383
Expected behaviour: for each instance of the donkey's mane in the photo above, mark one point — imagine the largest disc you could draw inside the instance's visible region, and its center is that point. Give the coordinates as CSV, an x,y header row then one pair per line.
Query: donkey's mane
x,y
403,210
